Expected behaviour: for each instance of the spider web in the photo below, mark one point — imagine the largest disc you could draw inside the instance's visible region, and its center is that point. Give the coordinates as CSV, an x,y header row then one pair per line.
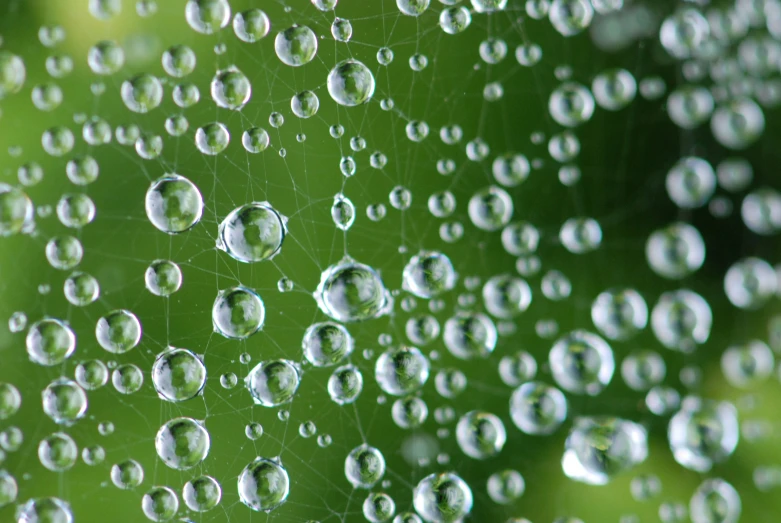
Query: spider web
x,y
623,160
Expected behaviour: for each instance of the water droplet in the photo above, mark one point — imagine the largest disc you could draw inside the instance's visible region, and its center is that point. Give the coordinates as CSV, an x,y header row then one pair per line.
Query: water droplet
x,y
599,448
163,278
118,331
480,435
251,25
442,497
253,232
364,466
58,452
173,204
142,93
230,89
401,371
160,504
64,401
238,313
264,485
182,443
273,383
296,45
350,83
351,291
202,494
207,16
537,408
178,374
345,384
212,139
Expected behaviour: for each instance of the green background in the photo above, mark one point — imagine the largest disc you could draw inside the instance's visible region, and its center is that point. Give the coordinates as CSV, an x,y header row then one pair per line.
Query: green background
x,y
624,158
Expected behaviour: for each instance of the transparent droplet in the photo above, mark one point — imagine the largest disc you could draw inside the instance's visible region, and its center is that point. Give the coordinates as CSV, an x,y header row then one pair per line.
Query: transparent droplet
x,y
305,104
749,283
518,368
264,484
582,362
537,408
442,497
75,210
643,369
50,342
378,507
506,296
255,140
345,385
273,383
10,401
106,57
127,379
480,435
12,74
571,104
747,365
142,93
469,335
42,510
690,182
703,433
178,374
510,169
580,235
505,487
212,138
163,278
251,25
202,494
681,320
614,89
47,97
238,313
364,466
64,401
401,371
409,412
173,204
58,452
619,314
490,208
182,443
455,19
715,501
296,45
91,374
230,89
160,504
253,232
81,289
599,448
64,252
429,274
350,83
207,16
118,331
675,251
58,141
351,291
341,30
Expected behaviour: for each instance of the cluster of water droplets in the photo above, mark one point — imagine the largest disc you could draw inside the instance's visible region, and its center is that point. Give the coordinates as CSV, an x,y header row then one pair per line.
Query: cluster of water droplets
x,y
727,59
